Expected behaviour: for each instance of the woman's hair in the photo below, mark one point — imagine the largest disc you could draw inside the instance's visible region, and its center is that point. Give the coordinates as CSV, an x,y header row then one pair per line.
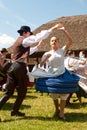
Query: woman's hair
x,y
70,52
83,52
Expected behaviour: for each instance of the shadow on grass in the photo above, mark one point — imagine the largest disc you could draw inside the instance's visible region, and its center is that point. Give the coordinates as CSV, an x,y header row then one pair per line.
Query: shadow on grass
x,y
8,106
76,105
42,118
31,97
72,117
76,117
27,96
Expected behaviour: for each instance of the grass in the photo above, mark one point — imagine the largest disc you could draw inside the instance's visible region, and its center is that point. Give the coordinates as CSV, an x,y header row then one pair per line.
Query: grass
x,y
39,114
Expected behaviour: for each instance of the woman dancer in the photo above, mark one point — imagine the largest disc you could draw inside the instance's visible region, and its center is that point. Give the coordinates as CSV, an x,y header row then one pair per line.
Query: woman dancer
x,y
57,80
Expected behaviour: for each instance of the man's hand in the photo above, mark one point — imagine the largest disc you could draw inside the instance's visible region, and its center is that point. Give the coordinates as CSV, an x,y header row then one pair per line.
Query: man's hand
x,y
40,44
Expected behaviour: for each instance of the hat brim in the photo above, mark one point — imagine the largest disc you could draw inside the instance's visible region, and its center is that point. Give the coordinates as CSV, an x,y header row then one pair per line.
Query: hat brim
x,y
19,31
2,51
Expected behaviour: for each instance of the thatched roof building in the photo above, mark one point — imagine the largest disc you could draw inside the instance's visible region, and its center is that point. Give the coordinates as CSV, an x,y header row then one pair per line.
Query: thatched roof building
x,y
77,27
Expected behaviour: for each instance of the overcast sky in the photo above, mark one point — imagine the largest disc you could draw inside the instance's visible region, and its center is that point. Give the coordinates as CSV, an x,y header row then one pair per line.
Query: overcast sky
x,y
15,13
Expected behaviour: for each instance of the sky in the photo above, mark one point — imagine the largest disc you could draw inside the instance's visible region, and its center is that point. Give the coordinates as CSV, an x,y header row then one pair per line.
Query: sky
x,y
33,13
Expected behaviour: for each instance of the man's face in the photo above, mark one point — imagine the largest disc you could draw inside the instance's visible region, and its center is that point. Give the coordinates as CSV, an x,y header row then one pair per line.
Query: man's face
x,y
26,34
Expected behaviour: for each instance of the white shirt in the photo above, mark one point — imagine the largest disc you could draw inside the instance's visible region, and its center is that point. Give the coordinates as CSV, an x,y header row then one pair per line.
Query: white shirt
x,y
71,61
56,64
56,59
33,49
36,38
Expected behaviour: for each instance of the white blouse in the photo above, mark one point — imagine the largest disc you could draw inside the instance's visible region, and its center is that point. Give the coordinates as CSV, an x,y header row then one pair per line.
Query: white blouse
x,y
36,38
56,64
56,59
33,49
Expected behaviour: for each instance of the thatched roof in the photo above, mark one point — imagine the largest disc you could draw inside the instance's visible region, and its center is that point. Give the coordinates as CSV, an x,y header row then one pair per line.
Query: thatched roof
x,y
76,26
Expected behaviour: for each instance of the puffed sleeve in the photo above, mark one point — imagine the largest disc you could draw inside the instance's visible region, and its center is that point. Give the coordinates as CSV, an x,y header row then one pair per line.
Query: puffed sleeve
x,y
36,38
33,50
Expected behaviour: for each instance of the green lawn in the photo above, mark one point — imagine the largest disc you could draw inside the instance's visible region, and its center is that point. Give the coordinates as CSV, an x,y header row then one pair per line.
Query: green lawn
x,y
39,114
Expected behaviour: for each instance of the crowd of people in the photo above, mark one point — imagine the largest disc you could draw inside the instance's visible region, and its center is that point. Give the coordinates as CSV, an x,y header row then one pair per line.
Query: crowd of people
x,y
52,80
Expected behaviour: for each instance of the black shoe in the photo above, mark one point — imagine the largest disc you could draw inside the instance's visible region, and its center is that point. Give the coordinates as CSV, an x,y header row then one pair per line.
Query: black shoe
x,y
17,113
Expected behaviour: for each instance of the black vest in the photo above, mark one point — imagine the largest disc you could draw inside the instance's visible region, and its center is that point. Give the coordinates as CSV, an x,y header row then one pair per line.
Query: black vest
x,y
20,52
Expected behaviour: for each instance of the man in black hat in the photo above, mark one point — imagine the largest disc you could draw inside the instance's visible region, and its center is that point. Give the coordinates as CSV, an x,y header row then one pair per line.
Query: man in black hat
x,y
18,74
26,29
4,50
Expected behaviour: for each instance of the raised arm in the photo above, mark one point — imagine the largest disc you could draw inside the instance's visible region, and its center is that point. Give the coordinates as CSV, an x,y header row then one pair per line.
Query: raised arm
x,y
35,48
69,39
44,59
40,36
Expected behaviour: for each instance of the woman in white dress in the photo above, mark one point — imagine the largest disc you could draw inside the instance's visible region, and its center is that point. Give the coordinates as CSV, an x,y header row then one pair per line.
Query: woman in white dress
x,y
82,71
71,62
57,80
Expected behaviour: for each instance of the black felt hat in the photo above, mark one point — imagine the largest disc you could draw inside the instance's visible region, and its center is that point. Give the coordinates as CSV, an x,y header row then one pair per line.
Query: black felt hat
x,y
4,50
25,29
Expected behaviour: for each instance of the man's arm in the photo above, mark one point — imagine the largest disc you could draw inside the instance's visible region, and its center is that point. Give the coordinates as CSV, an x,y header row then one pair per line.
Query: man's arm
x,y
34,49
40,36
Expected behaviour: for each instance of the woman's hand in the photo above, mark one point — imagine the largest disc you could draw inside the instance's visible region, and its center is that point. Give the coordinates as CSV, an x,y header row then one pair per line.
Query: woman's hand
x,y
44,61
48,56
40,44
57,26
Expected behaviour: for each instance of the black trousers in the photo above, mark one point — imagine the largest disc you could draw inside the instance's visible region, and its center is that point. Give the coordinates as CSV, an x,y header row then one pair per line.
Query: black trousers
x,y
16,79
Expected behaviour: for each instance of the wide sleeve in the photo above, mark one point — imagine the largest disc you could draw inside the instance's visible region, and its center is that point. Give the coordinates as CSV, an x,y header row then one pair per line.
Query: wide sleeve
x,y
36,38
33,50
